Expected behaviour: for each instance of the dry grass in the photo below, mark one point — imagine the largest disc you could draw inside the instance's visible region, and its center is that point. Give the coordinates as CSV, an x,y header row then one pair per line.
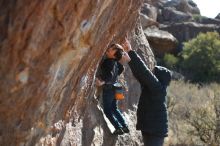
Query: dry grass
x,y
194,114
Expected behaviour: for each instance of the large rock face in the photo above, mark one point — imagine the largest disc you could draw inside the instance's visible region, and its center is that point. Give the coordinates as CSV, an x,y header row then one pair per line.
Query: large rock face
x,y
49,52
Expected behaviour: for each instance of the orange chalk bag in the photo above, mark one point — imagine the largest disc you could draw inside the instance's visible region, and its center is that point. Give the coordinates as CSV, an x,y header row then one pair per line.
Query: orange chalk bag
x,y
119,91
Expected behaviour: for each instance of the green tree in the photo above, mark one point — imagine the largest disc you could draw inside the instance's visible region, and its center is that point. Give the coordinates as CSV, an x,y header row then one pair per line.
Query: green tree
x,y
170,61
201,57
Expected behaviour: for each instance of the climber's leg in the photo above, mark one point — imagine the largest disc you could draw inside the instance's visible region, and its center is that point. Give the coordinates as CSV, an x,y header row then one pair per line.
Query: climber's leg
x,y
118,115
108,98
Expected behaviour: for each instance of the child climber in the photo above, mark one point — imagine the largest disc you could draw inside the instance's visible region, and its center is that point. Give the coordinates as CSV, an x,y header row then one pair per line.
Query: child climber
x,y
111,68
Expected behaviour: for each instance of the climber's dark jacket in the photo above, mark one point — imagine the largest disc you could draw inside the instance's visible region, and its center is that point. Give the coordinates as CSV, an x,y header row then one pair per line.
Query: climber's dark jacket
x,y
110,69
152,108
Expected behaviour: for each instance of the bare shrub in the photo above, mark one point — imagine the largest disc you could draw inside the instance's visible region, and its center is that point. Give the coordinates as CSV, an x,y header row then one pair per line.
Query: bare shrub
x,y
194,113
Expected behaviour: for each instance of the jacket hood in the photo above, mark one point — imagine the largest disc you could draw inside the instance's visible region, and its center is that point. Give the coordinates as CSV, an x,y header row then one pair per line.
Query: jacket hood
x,y
163,75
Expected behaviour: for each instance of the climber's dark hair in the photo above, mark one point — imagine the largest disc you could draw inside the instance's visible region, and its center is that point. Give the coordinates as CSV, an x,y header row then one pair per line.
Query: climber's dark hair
x,y
119,51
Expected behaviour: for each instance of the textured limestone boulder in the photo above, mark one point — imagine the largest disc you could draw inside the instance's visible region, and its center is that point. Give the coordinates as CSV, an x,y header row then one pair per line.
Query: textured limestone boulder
x,y
188,30
161,41
156,2
49,52
150,11
186,6
147,22
170,15
206,20
218,16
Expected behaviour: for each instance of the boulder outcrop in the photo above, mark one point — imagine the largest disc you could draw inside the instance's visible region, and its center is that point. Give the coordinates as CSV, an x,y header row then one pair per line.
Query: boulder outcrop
x,y
188,30
150,11
153,12
161,41
182,19
170,15
218,16
205,20
186,6
147,22
49,51
156,3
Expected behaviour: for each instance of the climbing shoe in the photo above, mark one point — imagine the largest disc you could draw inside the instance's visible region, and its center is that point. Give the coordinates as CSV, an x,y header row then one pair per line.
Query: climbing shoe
x,y
125,130
118,132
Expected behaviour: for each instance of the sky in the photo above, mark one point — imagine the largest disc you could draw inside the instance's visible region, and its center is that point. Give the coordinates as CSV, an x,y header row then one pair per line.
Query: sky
x,y
208,8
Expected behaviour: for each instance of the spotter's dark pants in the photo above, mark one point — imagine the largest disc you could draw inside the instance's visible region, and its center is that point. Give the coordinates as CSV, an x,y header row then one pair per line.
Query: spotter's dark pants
x,y
151,140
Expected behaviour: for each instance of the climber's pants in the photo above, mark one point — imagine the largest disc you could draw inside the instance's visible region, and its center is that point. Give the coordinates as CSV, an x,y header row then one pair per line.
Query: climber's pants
x,y
111,108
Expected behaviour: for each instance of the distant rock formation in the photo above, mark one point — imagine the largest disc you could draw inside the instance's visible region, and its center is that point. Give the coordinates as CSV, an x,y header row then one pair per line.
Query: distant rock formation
x,y
161,41
147,22
206,20
150,13
218,16
188,30
170,15
186,6
182,19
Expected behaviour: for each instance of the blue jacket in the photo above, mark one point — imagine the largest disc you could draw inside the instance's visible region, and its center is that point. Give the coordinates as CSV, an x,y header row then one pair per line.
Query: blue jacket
x,y
152,115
